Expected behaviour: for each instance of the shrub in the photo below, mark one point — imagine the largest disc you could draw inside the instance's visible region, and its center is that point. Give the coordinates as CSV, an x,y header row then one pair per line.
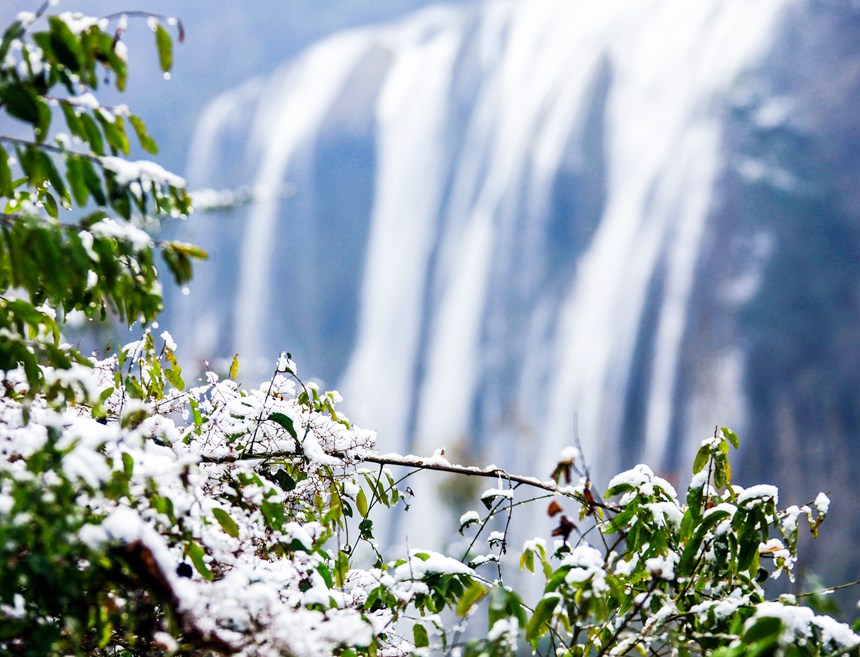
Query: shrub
x,y
141,515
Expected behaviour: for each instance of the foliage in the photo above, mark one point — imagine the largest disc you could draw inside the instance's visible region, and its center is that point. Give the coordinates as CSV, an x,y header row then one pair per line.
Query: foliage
x,y
67,161
141,515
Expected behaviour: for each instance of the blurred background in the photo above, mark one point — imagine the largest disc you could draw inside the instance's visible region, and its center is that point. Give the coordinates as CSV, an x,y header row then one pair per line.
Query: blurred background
x,y
506,227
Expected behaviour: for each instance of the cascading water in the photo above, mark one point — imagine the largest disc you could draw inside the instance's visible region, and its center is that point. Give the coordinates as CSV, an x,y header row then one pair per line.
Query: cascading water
x,y
506,227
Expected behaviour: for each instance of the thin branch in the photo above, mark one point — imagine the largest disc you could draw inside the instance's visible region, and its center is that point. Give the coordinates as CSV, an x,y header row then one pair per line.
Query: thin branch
x,y
503,548
829,589
470,471
95,159
491,512
169,20
11,219
36,16
637,607
426,464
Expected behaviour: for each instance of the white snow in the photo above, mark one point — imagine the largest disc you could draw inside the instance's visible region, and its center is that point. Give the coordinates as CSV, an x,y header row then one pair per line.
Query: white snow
x,y
822,504
643,480
799,622
422,563
758,494
587,566
79,22
125,231
127,172
663,567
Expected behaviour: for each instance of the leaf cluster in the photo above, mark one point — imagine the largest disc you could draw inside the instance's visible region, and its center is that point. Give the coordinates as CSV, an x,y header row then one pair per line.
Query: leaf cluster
x,y
73,209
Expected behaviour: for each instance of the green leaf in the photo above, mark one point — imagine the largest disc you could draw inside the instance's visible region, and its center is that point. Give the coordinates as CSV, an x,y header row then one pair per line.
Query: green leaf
x,y
234,367
20,102
557,579
50,205
618,489
132,387
173,375
93,182
93,134
77,178
53,175
419,633
127,464
286,422
7,188
91,219
694,502
365,527
748,550
73,122
688,557
470,597
711,519
325,573
187,250
147,143
762,629
227,523
722,470
196,554
687,525
284,480
634,538
165,48
701,460
527,559
725,651
114,132
620,521
341,568
538,624
361,502
66,45
732,437
12,32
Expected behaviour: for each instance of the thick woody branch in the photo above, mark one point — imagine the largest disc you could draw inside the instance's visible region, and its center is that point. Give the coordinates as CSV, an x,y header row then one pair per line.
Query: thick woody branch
x,y
144,565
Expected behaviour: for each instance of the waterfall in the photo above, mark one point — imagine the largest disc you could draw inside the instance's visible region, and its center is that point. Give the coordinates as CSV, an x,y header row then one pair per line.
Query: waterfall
x,y
542,176
506,232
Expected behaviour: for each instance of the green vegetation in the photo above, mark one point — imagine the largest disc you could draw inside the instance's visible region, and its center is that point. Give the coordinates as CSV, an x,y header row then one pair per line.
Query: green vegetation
x,y
142,514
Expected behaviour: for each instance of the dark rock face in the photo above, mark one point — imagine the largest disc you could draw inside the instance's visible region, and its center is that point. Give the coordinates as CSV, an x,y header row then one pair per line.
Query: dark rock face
x,y
516,222
801,329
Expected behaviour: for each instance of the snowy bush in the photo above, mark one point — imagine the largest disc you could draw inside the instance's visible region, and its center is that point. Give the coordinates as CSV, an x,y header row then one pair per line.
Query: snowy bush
x,y
143,514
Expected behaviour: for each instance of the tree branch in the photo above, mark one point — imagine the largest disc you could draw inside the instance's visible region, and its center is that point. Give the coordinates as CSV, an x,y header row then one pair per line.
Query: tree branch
x,y
434,463
140,559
